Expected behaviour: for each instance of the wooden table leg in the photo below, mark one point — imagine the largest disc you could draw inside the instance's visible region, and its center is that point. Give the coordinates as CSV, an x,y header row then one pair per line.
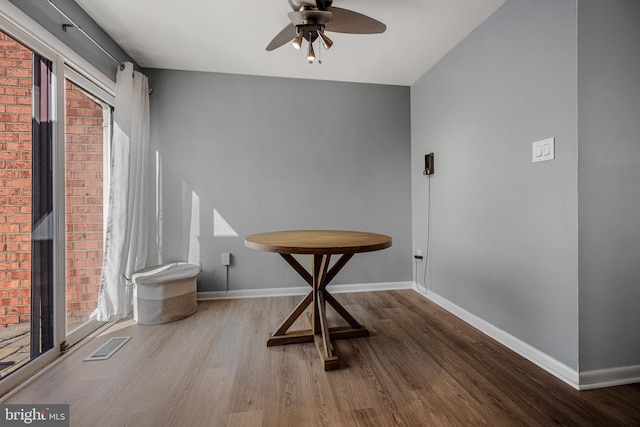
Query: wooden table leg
x,y
322,336
280,336
319,331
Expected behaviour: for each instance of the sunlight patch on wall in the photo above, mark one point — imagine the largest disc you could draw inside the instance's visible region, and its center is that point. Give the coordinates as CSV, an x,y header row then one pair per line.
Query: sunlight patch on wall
x,y
194,230
221,227
158,206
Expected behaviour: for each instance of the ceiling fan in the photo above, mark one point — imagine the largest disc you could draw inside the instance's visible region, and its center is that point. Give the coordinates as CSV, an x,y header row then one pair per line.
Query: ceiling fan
x,y
311,18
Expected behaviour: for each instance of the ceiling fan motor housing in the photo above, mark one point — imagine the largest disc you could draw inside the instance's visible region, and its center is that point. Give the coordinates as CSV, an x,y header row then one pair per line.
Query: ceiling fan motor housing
x,y
316,4
310,17
310,21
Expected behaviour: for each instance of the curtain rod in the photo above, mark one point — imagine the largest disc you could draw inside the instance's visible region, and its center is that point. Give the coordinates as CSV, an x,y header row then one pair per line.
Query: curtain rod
x,y
73,24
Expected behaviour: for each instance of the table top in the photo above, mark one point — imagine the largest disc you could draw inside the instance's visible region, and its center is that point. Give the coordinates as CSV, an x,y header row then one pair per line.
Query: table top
x,y
317,242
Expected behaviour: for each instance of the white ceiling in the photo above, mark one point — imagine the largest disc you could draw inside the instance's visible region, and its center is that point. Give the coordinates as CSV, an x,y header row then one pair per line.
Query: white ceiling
x,y
231,36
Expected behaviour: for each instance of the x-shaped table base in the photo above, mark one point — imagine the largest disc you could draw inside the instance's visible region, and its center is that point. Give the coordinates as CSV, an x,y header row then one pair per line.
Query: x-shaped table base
x,y
318,332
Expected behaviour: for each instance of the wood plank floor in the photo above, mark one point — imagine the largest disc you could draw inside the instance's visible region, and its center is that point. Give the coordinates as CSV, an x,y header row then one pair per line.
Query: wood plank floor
x,y
421,367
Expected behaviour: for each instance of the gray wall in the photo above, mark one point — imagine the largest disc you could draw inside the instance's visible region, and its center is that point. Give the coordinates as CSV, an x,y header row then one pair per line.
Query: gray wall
x,y
41,12
504,232
609,182
272,154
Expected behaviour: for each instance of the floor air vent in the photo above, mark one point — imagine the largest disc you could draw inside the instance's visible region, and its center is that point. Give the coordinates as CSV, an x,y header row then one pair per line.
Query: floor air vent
x,y
108,348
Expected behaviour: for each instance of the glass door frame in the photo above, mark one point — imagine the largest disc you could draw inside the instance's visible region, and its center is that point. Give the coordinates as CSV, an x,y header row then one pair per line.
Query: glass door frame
x,y
107,101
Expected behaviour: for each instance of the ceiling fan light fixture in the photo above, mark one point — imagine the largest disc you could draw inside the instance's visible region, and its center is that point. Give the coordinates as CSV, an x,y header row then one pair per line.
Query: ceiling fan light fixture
x,y
326,41
311,55
297,42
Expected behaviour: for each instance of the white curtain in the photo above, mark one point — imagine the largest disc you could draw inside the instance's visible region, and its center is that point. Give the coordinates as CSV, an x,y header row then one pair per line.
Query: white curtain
x,y
125,249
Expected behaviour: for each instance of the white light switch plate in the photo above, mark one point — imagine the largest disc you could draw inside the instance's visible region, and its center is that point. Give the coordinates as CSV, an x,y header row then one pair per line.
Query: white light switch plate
x,y
544,150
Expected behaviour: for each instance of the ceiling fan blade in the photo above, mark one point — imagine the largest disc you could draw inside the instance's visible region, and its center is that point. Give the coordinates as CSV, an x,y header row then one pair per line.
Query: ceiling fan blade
x,y
348,21
296,18
287,34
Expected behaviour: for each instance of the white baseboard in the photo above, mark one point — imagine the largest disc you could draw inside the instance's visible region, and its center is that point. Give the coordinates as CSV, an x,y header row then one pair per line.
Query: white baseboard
x,y
301,290
546,362
609,377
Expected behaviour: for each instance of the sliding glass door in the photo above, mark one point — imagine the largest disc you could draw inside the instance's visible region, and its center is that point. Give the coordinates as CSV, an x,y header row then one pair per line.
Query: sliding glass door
x,y
55,134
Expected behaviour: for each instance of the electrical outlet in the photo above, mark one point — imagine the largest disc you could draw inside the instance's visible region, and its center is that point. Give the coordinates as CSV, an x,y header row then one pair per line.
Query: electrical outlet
x,y
226,258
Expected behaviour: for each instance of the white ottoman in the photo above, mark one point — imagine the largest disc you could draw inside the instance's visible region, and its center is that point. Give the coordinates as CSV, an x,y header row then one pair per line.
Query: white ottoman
x,y
165,293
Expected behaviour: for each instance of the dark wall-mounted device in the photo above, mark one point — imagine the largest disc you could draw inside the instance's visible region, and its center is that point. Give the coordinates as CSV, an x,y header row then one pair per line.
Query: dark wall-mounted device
x,y
428,164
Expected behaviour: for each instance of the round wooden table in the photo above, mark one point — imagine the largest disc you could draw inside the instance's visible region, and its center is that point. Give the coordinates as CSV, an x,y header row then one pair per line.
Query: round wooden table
x,y
321,244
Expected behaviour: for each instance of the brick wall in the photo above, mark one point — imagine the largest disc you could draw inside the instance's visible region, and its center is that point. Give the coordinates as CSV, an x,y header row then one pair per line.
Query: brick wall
x,y
84,191
15,181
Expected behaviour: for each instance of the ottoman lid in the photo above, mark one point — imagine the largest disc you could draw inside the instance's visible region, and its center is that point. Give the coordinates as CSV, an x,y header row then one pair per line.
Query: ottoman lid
x,y
165,273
